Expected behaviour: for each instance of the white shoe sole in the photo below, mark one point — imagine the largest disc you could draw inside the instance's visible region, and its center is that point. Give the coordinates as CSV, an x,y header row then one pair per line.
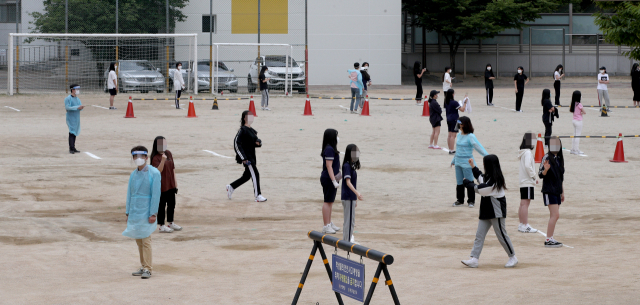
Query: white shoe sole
x,y
229,192
511,266
470,265
165,231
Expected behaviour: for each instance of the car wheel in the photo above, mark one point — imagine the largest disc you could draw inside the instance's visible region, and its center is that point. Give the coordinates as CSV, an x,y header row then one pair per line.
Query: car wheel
x,y
160,91
233,90
302,90
144,91
250,86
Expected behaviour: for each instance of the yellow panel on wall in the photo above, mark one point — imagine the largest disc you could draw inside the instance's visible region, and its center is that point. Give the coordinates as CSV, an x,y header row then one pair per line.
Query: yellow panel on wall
x,y
274,16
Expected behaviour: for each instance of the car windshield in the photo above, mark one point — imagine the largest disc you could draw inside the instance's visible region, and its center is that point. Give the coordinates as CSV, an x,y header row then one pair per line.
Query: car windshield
x,y
204,66
136,66
279,62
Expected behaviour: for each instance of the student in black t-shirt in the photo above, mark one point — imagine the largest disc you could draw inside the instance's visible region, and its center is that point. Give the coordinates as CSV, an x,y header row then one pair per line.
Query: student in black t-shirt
x,y
350,195
520,80
417,75
329,177
488,84
264,88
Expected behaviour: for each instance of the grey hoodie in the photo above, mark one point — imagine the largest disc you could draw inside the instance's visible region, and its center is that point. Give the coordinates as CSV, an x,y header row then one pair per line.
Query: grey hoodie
x,y
527,168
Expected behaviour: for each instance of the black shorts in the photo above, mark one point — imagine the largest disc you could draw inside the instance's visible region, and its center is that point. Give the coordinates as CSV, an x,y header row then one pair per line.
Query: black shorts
x,y
452,125
526,193
113,91
551,199
329,192
437,124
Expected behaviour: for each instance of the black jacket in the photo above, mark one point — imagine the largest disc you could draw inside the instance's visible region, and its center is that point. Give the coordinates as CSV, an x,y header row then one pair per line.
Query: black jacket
x,y
547,117
488,83
552,181
245,145
493,204
435,112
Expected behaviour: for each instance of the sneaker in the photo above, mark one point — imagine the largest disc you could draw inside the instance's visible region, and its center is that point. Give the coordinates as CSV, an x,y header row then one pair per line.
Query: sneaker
x,y
71,151
139,272
581,152
458,204
419,104
334,227
267,108
328,230
513,261
573,152
165,229
552,243
472,262
353,241
260,199
437,147
471,204
452,152
75,150
174,227
520,111
430,146
113,108
262,108
526,228
145,274
229,191
491,104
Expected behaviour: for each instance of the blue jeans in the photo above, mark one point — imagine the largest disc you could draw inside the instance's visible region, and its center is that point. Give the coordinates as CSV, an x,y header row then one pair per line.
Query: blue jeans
x,y
355,92
463,172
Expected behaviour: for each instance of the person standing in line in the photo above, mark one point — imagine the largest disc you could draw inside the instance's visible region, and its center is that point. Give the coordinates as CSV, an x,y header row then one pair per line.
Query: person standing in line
x,y
488,84
552,174
417,75
329,177
162,159
493,209
635,84
73,106
603,92
557,76
549,112
112,84
143,196
578,112
355,79
178,83
446,81
527,174
366,80
435,118
452,107
264,88
350,194
520,80
465,144
245,144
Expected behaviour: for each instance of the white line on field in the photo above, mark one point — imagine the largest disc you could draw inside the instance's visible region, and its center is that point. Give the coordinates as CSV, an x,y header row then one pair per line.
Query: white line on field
x,y
545,235
583,155
100,107
506,108
343,107
216,154
12,108
92,155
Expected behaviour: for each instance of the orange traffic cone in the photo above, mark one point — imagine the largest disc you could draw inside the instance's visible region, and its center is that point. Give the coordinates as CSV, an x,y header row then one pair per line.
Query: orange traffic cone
x,y
130,110
425,108
192,109
618,155
252,107
307,107
365,107
539,149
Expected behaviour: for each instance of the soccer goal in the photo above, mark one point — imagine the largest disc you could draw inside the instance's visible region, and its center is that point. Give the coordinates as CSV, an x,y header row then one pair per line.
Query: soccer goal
x,y
47,63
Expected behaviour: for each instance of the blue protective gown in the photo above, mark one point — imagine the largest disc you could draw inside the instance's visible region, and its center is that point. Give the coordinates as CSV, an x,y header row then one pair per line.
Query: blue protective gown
x,y
143,197
465,144
359,83
73,114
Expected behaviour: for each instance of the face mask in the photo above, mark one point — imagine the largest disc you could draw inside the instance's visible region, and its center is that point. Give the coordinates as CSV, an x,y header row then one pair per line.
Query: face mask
x,y
519,71
560,70
337,140
355,156
554,148
488,68
179,67
602,71
140,161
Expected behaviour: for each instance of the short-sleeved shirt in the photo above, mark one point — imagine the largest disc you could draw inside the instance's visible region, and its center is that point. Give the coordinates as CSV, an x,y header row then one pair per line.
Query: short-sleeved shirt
x,y
520,78
112,77
263,84
417,79
168,176
348,173
577,112
488,83
446,85
329,154
556,76
602,77
452,110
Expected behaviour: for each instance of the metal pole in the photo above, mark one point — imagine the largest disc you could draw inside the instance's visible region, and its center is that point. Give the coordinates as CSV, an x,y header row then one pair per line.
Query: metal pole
x,y
328,268
497,52
167,16
530,68
464,64
210,45
17,19
597,52
306,272
66,68
195,66
66,16
570,28
10,66
372,288
389,283
563,50
260,61
413,34
117,9
306,52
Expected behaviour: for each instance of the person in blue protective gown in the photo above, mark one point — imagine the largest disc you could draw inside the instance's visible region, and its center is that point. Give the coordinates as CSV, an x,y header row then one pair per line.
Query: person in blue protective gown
x,y
73,106
466,142
143,197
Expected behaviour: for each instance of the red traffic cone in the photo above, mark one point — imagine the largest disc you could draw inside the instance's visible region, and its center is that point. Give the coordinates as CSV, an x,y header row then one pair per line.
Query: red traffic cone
x,y
130,110
425,108
192,109
307,107
539,149
618,155
252,107
365,107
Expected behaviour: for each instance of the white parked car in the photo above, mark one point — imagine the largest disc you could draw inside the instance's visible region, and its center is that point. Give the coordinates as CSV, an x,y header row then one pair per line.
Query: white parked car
x,y
226,79
277,72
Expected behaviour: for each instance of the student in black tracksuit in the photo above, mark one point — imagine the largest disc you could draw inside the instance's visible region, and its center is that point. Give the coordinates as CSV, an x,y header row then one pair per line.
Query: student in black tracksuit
x,y
520,80
548,114
245,144
552,174
557,76
488,84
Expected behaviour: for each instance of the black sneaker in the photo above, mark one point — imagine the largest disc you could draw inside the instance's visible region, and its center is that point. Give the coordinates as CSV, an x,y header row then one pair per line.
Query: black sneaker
x,y
75,150
452,152
552,244
458,204
71,151
471,204
113,108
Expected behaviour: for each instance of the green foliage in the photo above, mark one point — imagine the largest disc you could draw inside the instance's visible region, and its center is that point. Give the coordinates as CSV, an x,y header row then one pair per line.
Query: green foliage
x,y
623,27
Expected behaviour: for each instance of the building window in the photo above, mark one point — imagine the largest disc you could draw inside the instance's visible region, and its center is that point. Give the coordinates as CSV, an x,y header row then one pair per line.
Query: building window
x,y
7,11
208,20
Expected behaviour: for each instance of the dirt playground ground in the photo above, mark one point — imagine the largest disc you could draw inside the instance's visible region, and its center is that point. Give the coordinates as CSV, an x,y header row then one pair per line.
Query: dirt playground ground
x,y
62,215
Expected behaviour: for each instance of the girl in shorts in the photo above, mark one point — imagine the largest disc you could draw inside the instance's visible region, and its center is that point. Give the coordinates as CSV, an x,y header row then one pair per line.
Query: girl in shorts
x,y
329,177
350,195
527,181
452,107
552,173
435,117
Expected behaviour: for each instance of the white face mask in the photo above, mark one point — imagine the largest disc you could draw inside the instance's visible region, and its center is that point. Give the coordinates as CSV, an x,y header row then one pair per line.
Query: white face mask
x,y
560,70
140,161
179,67
488,68
519,71
337,140
77,91
602,71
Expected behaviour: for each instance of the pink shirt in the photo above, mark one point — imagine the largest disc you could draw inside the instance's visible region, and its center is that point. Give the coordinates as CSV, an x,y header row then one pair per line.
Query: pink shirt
x,y
577,112
354,78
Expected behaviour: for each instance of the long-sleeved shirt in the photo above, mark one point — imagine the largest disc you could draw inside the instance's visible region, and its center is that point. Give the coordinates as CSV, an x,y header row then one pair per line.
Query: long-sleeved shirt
x,y
143,199
178,81
493,204
465,144
71,104
355,79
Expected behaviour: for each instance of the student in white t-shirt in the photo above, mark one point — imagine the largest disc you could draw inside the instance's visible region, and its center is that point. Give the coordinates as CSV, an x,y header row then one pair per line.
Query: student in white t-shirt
x,y
603,93
446,80
112,84
557,76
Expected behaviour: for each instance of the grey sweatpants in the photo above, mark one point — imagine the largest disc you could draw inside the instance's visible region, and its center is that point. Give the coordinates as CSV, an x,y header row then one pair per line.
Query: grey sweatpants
x,y
349,218
501,232
265,98
603,96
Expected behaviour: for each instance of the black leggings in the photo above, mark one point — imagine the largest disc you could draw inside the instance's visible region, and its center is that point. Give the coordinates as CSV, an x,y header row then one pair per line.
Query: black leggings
x,y
519,96
556,85
489,96
419,92
547,132
167,199
72,141
178,93
250,172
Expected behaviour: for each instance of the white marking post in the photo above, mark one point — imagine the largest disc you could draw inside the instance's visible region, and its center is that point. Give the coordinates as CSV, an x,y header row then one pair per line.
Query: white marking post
x,y
217,154
12,108
92,155
100,107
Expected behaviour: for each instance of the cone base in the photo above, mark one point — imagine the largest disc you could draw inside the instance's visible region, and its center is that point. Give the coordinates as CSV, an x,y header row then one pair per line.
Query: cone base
x,y
129,117
191,116
618,161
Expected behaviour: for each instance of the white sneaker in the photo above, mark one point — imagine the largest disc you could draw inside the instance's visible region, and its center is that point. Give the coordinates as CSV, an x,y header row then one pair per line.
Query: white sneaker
x,y
267,108
328,230
174,226
573,152
513,261
437,147
526,228
260,199
581,152
472,262
430,146
353,241
229,191
334,227
165,229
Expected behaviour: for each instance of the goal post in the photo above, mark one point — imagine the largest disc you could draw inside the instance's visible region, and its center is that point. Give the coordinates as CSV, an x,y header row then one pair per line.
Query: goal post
x,y
46,63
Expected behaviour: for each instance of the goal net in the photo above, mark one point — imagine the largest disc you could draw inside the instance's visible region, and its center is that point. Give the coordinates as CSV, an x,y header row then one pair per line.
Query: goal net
x,y
47,63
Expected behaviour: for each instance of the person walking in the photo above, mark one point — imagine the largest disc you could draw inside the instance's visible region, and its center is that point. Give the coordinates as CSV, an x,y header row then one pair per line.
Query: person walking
x,y
417,75
112,85
578,112
329,177
557,76
435,118
366,80
178,83
527,174
143,196
493,209
446,81
73,106
603,92
488,84
635,83
452,107
465,144
520,80
162,159
549,112
552,174
350,194
355,79
245,144
264,88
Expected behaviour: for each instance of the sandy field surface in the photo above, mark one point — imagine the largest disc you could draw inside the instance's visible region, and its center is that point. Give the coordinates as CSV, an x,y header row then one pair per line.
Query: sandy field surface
x,y
62,215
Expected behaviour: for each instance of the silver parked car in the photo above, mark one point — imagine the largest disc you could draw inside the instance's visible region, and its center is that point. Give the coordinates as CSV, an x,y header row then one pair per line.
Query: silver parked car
x,y
138,75
226,80
277,73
